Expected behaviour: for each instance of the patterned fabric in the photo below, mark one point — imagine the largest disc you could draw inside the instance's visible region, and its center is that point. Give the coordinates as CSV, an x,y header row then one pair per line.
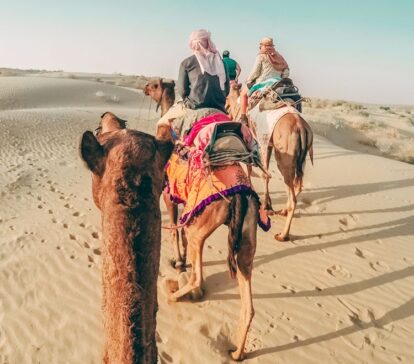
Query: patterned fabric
x,y
196,190
200,124
262,85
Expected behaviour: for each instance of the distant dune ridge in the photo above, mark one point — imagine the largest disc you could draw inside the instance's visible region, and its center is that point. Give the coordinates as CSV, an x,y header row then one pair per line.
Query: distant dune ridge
x,y
340,292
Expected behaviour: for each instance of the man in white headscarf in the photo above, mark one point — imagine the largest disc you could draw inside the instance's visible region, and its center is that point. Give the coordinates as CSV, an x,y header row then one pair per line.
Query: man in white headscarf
x,y
202,84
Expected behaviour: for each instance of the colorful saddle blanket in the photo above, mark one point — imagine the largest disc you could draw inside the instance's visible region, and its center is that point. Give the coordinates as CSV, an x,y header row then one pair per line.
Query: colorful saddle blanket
x,y
192,186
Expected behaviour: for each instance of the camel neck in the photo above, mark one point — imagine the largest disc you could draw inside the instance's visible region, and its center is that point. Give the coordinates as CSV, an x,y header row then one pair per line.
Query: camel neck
x,y
167,100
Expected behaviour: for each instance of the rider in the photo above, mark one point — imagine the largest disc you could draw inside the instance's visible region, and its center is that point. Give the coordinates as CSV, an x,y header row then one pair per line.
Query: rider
x,y
269,65
233,68
202,84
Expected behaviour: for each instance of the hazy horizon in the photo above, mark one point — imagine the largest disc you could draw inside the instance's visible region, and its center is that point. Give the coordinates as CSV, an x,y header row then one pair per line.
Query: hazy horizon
x,y
335,51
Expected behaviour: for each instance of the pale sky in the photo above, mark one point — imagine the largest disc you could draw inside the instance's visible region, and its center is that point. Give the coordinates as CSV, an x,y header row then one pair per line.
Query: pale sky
x,y
353,50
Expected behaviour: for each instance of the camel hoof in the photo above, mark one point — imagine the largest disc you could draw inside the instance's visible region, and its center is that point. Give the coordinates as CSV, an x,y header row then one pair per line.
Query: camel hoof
x,y
280,237
237,356
171,286
197,294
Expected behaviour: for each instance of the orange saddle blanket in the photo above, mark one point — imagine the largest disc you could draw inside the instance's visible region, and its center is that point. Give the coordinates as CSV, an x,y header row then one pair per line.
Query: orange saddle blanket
x,y
192,186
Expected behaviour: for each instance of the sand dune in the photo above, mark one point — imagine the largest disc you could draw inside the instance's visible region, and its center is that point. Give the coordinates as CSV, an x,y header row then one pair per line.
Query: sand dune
x,y
340,292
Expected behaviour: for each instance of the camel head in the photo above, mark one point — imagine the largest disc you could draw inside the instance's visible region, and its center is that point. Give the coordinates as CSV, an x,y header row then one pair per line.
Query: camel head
x,y
110,122
162,92
127,166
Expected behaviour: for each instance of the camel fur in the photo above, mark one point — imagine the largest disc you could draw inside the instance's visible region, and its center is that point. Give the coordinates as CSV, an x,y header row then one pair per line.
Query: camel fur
x,y
127,179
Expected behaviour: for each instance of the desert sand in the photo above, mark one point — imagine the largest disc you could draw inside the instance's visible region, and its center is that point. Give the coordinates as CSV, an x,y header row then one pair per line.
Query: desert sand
x,y
340,292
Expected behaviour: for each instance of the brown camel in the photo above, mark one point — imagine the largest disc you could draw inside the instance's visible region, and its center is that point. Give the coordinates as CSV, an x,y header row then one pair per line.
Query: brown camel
x,y
162,91
240,213
127,179
291,140
232,106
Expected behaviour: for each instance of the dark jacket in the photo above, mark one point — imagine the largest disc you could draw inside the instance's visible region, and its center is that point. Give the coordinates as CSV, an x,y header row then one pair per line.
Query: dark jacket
x,y
200,90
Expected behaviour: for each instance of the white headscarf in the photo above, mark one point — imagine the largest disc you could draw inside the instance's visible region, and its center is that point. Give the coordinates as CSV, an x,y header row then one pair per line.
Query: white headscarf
x,y
207,55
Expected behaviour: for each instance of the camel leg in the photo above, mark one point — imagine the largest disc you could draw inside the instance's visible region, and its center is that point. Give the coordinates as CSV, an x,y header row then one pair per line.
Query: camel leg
x,y
172,210
291,206
284,211
268,201
244,273
246,315
184,241
213,216
196,277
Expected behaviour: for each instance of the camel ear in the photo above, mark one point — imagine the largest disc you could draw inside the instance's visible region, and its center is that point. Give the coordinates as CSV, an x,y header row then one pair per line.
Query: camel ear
x,y
92,153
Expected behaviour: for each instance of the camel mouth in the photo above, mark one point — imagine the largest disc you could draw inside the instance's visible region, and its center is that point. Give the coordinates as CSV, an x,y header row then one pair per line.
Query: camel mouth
x,y
145,89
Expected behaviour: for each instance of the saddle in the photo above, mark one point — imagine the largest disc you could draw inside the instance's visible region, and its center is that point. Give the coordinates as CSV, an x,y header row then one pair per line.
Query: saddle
x,y
285,92
227,146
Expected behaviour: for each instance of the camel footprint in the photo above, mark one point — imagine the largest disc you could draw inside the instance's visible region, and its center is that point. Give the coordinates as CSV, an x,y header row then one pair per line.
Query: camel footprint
x,y
338,271
289,288
364,254
379,266
348,221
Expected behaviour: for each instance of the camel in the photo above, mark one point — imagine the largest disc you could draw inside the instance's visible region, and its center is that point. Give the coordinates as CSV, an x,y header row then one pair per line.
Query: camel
x,y
291,140
240,213
162,91
232,106
127,179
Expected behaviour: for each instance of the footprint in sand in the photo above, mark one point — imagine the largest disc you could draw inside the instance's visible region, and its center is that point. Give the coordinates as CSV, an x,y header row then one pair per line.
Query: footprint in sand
x,y
289,288
379,266
97,251
338,272
364,254
95,235
76,214
270,327
348,222
284,316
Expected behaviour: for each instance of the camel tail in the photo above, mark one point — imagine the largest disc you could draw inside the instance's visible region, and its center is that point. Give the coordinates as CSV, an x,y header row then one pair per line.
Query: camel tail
x,y
238,209
305,139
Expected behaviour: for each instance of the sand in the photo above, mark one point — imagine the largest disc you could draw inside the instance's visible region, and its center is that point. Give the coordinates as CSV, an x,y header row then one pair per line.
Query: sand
x,y
340,292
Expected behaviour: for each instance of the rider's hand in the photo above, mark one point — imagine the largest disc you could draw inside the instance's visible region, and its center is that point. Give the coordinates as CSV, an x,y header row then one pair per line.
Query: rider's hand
x,y
182,150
